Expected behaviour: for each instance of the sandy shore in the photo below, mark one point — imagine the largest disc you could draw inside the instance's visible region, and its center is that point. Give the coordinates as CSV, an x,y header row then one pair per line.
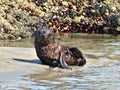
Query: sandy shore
x,y
17,62
18,59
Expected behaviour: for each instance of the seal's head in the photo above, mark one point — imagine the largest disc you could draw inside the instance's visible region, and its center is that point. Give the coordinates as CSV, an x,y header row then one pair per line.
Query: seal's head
x,y
44,35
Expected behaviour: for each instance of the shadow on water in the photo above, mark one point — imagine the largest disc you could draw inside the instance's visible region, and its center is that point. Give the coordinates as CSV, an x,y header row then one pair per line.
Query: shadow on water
x,y
34,61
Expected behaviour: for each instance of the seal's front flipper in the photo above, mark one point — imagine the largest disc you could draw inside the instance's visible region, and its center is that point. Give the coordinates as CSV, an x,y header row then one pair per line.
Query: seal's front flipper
x,y
63,63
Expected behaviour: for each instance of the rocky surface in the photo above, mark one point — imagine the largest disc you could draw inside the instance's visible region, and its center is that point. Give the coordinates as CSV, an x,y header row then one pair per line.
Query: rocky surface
x,y
20,18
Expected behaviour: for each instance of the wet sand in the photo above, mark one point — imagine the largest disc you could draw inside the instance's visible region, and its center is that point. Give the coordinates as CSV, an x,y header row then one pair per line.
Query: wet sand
x,y
18,59
20,69
17,62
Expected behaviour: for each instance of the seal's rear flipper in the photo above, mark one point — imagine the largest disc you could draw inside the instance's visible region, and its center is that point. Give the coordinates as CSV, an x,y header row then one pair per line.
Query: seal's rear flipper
x,y
78,54
63,63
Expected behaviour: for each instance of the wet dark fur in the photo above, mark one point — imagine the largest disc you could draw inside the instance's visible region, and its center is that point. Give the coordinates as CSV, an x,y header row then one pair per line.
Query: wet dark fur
x,y
50,51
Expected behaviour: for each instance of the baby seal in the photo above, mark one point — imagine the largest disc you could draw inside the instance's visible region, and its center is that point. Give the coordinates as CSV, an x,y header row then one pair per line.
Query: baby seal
x,y
51,53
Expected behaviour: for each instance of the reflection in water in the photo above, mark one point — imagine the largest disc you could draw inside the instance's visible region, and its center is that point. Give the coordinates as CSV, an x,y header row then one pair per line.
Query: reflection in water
x,y
102,71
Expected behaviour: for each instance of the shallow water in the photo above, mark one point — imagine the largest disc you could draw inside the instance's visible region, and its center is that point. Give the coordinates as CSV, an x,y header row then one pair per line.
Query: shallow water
x,y
102,71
